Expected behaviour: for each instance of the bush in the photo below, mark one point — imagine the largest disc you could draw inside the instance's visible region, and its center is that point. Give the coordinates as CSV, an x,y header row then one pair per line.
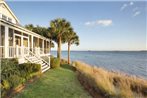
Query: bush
x,y
5,85
63,61
13,74
110,84
36,67
26,69
15,80
8,69
55,62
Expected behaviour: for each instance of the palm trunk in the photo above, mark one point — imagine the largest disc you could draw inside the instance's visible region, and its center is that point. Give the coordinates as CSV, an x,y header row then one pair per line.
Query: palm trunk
x,y
68,52
59,49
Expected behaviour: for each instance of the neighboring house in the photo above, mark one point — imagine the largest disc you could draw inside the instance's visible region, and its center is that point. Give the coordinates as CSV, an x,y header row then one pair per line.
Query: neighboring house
x,y
18,42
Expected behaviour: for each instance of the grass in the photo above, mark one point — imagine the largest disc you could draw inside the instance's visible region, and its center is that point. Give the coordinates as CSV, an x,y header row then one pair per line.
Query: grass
x,y
55,83
111,84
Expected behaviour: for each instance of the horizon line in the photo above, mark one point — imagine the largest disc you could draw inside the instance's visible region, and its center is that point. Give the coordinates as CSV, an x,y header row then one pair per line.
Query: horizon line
x,y
101,50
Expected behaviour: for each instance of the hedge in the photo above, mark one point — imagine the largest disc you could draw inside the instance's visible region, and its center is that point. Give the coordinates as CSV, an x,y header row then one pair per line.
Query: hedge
x,y
55,62
14,74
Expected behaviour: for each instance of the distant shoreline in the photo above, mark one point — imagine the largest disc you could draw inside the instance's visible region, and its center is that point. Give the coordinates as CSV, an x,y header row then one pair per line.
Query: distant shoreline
x,y
102,51
114,71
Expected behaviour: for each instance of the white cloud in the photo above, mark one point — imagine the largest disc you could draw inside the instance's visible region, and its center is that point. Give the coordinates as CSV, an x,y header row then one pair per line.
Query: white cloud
x,y
131,3
123,7
90,23
135,10
104,22
136,13
126,5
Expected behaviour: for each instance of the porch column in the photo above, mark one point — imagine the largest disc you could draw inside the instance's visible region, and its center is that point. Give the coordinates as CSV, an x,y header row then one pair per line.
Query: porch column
x,y
38,42
46,47
32,42
50,46
28,44
6,42
43,46
0,36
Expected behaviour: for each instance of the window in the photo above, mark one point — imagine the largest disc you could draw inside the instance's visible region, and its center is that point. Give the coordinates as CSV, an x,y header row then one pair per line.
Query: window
x,y
4,17
9,19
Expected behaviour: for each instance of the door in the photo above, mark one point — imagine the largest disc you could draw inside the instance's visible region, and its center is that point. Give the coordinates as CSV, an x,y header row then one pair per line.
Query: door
x,y
21,47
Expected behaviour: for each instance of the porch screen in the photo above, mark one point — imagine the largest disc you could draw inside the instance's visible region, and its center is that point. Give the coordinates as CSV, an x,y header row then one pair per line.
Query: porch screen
x,y
2,35
10,37
25,42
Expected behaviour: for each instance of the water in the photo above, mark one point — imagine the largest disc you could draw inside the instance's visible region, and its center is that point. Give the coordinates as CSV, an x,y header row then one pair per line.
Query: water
x,y
130,62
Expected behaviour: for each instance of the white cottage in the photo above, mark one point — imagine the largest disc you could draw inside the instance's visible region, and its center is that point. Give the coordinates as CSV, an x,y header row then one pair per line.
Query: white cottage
x,y
18,42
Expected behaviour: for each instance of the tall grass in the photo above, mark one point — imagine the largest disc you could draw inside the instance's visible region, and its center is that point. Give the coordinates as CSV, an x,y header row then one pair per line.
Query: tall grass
x,y
111,84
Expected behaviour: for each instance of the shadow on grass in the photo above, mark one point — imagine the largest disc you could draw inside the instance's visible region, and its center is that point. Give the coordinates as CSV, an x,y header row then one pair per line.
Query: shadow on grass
x,y
67,66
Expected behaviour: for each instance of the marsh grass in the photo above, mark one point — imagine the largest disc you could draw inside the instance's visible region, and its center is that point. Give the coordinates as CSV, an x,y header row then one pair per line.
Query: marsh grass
x,y
112,84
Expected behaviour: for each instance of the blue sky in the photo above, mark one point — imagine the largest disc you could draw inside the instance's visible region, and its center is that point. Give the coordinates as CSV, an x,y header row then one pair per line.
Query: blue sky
x,y
100,25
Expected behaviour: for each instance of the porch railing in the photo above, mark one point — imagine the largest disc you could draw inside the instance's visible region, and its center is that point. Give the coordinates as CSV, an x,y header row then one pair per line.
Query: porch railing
x,y
21,51
12,51
2,52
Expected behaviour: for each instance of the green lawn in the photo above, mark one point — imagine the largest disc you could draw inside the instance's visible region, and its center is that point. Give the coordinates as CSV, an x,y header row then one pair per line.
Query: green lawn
x,y
55,83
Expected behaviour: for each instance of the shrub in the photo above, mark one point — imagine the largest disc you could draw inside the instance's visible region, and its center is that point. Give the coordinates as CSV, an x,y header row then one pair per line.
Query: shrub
x,y
15,80
63,61
111,84
26,69
36,67
55,63
5,85
13,74
8,69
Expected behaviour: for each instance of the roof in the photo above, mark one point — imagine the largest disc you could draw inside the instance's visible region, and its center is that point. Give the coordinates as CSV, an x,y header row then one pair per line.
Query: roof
x,y
24,29
3,2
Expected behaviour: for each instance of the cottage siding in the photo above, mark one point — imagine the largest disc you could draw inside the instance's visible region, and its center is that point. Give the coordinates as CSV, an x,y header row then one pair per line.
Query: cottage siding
x,y
4,10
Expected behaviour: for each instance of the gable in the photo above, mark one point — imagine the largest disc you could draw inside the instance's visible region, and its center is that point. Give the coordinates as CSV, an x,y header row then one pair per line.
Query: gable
x,y
5,10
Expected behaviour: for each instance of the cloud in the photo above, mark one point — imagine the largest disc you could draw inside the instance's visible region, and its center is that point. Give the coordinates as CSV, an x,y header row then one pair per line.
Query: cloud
x,y
126,5
104,22
135,10
90,23
131,3
123,7
136,13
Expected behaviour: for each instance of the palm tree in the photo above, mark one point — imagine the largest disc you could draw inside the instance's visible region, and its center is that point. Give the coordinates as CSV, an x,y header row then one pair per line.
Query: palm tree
x,y
71,38
50,34
29,27
46,32
60,27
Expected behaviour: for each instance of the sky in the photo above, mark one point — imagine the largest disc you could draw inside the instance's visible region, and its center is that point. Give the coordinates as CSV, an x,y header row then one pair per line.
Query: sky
x,y
109,25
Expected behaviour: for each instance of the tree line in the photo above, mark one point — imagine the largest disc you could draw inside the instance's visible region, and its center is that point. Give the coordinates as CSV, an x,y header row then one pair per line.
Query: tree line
x,y
59,31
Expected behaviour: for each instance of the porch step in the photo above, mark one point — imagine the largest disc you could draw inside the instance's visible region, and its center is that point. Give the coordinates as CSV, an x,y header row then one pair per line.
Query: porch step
x,y
35,59
45,69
